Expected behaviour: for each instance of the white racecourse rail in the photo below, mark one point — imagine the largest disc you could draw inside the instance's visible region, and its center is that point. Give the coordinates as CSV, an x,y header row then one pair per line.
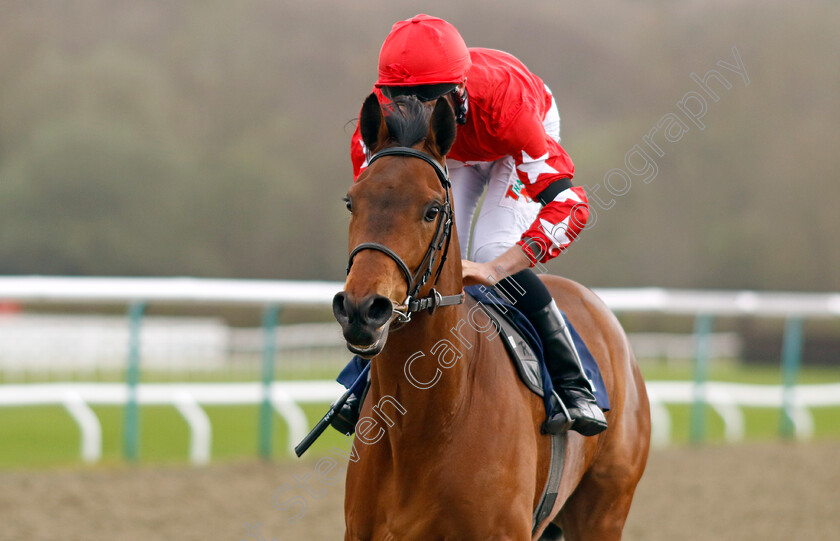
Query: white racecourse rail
x,y
286,397
305,293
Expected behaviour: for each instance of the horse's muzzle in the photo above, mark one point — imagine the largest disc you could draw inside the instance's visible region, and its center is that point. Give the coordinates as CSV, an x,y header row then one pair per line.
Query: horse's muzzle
x,y
364,322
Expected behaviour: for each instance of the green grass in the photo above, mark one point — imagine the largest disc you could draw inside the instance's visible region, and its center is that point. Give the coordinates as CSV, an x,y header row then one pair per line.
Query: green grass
x,y
45,436
37,436
760,424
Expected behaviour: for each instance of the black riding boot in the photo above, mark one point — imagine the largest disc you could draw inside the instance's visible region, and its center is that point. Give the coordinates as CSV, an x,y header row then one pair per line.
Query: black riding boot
x,y
567,375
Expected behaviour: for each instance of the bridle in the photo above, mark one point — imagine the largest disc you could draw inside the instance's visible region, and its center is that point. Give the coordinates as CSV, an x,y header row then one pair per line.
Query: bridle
x,y
440,240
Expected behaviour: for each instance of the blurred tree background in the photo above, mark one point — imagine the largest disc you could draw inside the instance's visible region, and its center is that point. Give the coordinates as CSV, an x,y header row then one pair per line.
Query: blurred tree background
x,y
210,138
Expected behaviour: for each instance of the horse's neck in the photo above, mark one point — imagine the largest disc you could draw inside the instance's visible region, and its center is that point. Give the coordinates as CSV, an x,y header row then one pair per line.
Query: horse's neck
x,y
427,368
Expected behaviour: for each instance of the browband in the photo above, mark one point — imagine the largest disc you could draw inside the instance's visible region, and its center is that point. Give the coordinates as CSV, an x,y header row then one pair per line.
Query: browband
x,y
441,171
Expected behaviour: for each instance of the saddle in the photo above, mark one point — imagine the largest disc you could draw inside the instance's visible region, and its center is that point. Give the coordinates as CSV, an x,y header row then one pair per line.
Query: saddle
x,y
525,349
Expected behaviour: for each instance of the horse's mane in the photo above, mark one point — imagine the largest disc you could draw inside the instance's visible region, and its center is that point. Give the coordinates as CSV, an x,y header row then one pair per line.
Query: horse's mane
x,y
407,120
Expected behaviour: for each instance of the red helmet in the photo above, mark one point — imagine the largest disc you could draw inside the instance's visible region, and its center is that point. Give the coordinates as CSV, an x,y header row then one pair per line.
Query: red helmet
x,y
423,50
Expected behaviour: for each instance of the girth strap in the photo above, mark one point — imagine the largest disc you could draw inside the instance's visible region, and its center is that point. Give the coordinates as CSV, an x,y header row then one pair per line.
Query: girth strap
x,y
544,510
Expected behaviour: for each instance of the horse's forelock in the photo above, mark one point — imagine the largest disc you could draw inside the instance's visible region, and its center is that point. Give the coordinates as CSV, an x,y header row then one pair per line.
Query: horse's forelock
x,y
407,120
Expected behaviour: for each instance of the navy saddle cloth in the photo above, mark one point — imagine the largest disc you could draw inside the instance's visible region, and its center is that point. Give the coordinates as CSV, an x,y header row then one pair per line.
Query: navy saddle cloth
x,y
505,312
528,357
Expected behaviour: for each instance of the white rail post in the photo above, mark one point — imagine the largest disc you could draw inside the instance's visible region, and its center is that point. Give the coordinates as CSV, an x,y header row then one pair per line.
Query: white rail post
x,y
733,418
89,426
289,410
200,429
660,421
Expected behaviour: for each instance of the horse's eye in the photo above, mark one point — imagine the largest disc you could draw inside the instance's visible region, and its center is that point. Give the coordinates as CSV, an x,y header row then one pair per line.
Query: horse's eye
x,y
349,204
431,213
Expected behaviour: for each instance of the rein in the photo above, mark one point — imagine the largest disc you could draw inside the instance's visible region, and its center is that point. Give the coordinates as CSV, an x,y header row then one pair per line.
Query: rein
x,y
440,241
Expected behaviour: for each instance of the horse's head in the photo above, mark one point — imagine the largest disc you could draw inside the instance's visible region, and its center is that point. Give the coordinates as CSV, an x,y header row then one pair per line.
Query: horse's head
x,y
401,217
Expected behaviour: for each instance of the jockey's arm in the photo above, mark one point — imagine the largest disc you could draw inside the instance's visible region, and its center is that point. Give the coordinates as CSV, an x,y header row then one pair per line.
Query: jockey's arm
x,y
546,171
543,240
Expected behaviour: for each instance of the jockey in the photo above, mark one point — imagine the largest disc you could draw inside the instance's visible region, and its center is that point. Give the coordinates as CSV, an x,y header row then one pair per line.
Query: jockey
x,y
507,144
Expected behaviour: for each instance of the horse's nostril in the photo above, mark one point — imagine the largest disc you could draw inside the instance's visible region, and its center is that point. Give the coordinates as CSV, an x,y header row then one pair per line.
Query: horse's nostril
x,y
339,306
372,312
380,310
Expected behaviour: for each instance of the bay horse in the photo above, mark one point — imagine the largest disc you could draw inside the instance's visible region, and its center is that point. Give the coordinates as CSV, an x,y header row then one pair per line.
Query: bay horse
x,y
448,445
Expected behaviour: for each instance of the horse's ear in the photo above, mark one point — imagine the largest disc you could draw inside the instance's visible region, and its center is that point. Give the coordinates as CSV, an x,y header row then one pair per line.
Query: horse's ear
x,y
371,122
443,127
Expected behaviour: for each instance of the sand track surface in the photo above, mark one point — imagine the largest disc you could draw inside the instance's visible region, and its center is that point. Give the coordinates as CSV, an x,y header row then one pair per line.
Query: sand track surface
x,y
756,492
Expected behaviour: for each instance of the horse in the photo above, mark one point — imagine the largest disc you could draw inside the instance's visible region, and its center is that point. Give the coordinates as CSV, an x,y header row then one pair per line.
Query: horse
x,y
448,445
